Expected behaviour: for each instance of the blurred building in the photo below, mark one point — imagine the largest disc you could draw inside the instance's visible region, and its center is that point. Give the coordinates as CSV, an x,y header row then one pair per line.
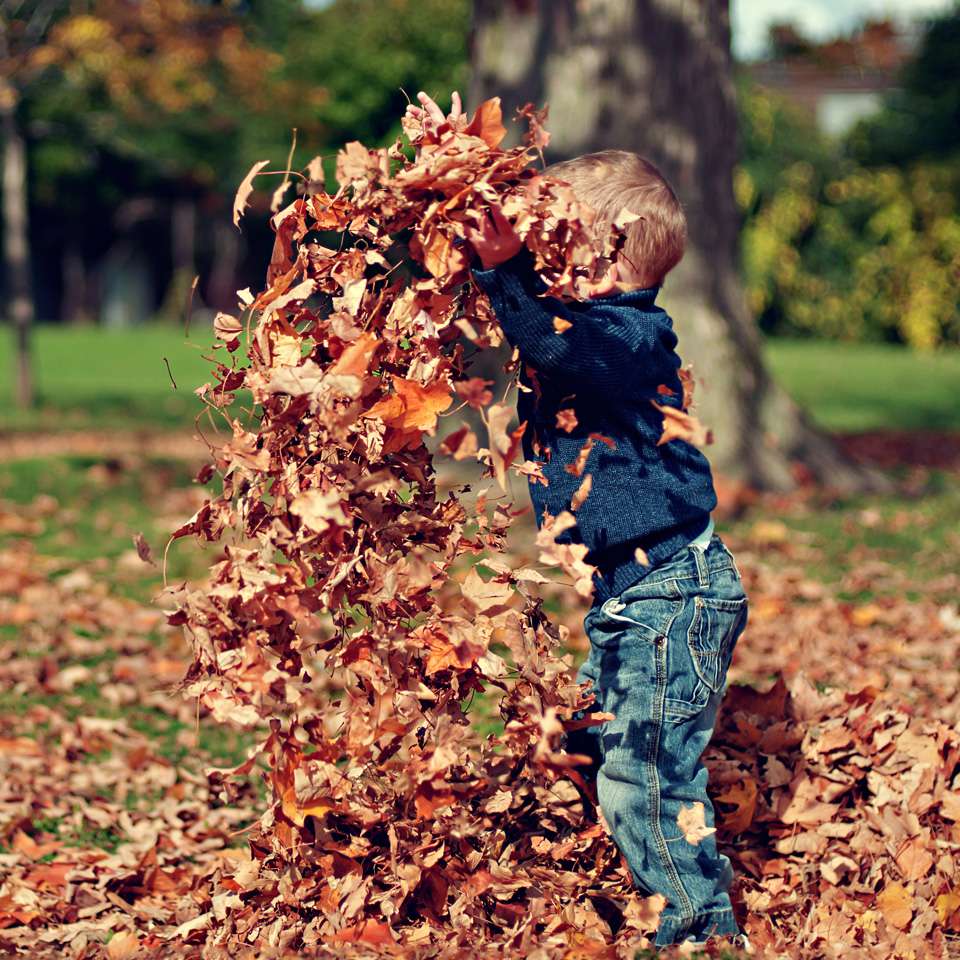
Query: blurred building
x,y
841,81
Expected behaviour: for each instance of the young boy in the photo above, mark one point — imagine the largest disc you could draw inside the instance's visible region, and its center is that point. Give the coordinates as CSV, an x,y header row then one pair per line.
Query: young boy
x,y
668,603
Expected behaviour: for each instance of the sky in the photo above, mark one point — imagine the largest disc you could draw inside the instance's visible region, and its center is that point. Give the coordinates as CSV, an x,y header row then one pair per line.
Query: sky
x,y
819,19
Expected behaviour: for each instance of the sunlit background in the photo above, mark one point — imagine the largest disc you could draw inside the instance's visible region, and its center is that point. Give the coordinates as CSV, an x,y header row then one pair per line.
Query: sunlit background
x,y
128,125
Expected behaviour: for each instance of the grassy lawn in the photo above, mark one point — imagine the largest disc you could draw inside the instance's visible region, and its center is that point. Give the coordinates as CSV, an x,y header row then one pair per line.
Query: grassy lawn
x,y
89,377
853,387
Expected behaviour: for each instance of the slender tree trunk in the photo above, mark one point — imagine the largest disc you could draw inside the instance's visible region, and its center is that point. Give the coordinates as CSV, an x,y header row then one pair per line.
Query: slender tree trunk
x,y
73,305
17,250
222,286
655,76
183,229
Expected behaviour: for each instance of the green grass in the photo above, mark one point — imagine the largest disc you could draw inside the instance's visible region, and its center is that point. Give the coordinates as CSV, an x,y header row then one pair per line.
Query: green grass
x,y
90,377
100,506
916,535
850,387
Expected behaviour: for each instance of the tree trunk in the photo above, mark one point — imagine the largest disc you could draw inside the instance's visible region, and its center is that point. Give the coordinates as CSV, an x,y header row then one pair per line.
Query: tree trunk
x,y
73,303
656,78
16,238
222,286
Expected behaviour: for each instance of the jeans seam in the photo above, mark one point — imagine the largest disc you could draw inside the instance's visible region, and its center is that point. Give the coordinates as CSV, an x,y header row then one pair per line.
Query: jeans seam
x,y
653,755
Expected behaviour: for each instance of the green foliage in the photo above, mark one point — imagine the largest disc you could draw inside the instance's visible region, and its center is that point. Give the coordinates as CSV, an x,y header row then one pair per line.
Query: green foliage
x,y
922,118
835,248
365,53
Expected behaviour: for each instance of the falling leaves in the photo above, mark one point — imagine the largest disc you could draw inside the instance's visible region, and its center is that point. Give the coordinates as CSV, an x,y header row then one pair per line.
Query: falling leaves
x,y
680,425
358,611
692,825
337,614
143,548
503,446
242,197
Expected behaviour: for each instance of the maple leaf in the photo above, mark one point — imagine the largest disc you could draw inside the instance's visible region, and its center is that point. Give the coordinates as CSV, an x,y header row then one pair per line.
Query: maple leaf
x,y
461,444
487,123
494,239
123,945
320,510
582,492
143,549
692,824
503,446
566,420
440,255
536,135
896,905
568,556
474,391
412,406
679,425
226,327
242,197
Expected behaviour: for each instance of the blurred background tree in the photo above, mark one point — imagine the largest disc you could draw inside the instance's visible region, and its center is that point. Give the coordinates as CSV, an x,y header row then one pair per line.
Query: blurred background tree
x,y
132,123
128,123
857,237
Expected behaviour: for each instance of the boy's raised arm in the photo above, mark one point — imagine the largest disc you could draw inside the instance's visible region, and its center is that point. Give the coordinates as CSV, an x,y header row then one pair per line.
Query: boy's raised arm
x,y
608,345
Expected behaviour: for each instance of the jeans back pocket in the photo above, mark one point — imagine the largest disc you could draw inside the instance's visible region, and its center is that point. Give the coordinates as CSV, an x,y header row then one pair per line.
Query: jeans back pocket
x,y
712,635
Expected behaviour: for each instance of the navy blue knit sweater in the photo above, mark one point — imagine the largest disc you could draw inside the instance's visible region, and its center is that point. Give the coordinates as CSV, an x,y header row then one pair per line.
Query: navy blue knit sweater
x,y
606,367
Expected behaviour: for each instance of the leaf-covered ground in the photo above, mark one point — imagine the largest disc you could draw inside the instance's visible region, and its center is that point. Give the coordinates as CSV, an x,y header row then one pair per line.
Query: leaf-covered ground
x,y
833,769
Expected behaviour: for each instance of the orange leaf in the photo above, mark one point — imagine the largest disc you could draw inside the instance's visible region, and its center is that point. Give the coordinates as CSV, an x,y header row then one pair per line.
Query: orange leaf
x,y
742,795
566,420
461,445
441,256
366,931
412,406
678,425
244,190
896,905
356,357
583,491
431,796
123,945
692,824
19,747
487,123
503,446
948,909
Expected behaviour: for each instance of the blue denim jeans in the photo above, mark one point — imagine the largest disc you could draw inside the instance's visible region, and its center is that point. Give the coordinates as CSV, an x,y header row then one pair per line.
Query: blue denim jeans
x,y
658,660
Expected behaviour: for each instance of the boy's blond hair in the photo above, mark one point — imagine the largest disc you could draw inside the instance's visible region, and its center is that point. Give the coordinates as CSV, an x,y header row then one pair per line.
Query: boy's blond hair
x,y
612,181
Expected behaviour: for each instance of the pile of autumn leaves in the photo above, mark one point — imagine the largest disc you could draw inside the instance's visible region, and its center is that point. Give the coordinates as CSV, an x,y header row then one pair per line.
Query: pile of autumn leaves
x,y
348,609
358,612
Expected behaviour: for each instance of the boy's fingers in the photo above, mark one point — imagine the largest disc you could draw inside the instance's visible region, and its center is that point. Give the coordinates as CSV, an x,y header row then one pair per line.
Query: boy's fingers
x,y
456,106
430,105
500,222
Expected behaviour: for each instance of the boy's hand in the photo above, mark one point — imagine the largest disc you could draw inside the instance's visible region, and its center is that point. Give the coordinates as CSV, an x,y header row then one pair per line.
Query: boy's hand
x,y
495,240
428,122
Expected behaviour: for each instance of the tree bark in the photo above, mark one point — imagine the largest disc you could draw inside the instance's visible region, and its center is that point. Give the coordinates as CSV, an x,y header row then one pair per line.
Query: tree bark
x,y
73,302
16,237
222,286
655,76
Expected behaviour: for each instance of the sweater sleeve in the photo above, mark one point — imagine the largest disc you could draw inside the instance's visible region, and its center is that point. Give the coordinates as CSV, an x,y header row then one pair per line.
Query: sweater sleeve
x,y
616,343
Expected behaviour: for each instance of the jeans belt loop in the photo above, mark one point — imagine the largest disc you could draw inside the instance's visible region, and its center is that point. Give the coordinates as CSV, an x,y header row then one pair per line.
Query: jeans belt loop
x,y
703,571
